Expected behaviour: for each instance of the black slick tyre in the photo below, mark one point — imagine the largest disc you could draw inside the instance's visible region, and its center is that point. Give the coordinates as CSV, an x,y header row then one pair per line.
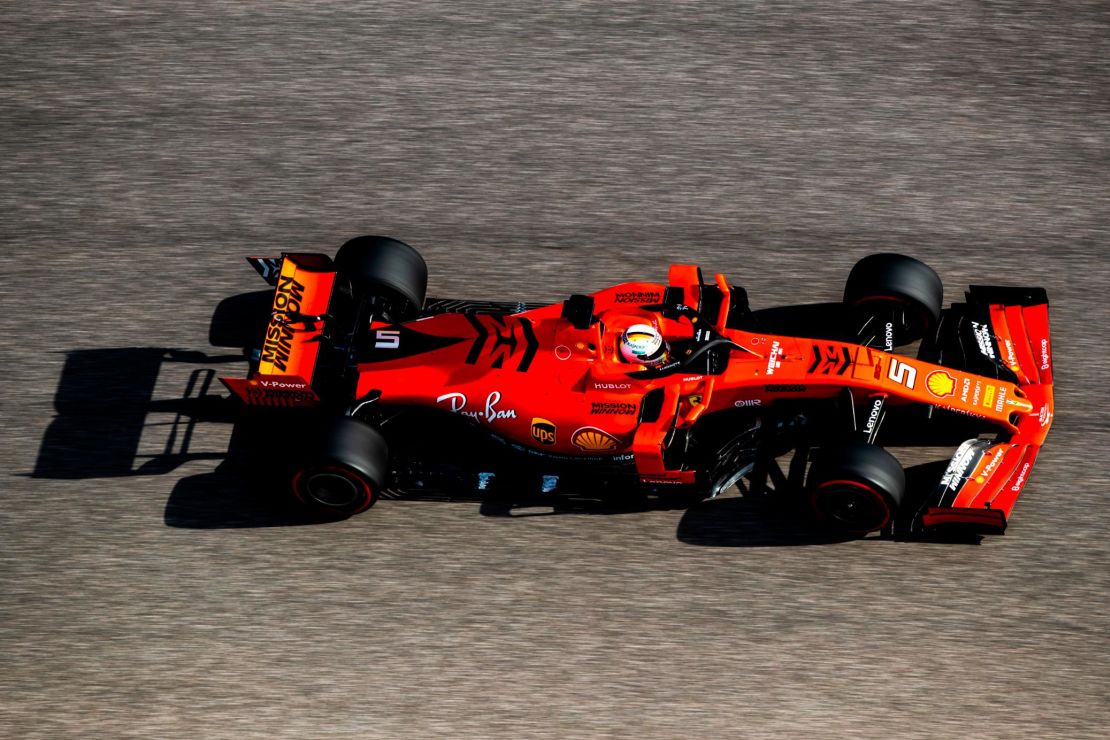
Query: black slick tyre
x,y
240,321
856,488
385,269
900,286
345,472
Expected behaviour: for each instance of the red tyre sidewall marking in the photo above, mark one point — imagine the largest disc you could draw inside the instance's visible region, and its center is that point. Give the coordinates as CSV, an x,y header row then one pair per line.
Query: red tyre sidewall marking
x,y
853,484
337,470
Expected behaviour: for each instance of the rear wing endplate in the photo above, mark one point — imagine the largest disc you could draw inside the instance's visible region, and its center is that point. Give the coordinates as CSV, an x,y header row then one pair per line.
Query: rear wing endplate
x,y
303,286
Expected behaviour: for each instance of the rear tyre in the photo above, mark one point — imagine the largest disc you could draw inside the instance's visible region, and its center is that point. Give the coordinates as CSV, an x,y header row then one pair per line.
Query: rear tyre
x,y
899,289
386,270
240,321
856,488
345,472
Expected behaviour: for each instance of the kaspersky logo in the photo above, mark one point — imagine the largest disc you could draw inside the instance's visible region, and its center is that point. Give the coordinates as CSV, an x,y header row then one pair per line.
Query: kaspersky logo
x,y
543,431
940,384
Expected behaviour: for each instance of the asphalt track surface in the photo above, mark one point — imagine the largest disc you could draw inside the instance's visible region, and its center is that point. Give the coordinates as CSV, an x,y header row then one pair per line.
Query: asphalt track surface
x,y
529,154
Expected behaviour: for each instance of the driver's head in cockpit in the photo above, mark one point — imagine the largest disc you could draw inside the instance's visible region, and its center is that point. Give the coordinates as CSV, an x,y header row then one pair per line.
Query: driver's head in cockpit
x,y
643,345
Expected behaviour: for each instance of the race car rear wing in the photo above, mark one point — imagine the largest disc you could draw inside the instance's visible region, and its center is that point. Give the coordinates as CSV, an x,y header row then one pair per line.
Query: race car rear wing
x,y
291,345
1004,330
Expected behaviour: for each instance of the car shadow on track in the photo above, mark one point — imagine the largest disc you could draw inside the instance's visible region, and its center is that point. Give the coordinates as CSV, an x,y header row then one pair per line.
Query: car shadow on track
x,y
108,424
115,418
748,522
103,406
745,521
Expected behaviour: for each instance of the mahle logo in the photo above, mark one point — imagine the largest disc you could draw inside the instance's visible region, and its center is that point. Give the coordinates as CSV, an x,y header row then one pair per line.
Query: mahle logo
x,y
940,384
543,431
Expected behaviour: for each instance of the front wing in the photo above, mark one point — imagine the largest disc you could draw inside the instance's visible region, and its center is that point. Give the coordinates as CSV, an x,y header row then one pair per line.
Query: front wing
x,y
1004,332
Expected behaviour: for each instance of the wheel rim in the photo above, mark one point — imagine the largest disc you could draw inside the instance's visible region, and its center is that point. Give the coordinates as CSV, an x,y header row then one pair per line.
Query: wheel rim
x,y
852,506
915,320
333,488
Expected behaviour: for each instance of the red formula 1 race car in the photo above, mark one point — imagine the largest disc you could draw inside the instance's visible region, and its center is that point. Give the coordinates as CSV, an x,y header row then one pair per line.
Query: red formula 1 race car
x,y
674,389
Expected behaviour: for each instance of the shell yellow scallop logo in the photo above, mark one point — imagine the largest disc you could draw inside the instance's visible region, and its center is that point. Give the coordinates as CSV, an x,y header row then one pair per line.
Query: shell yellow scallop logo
x,y
590,439
940,384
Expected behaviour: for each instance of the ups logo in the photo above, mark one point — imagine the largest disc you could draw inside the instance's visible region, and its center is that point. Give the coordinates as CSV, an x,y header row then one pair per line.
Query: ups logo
x,y
543,431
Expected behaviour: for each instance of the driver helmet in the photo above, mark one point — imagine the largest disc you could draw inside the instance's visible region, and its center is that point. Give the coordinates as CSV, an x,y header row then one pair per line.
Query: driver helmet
x,y
643,345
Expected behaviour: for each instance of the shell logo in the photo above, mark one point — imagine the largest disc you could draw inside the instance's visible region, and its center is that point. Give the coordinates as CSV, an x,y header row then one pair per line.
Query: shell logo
x,y
940,384
590,439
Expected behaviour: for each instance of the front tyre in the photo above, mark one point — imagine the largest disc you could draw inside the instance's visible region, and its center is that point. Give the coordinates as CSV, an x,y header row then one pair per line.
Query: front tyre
x,y
344,473
897,289
856,488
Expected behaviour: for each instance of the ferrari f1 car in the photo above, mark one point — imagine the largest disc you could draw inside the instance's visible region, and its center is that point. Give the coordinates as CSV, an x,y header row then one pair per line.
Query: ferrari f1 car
x,y
672,389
